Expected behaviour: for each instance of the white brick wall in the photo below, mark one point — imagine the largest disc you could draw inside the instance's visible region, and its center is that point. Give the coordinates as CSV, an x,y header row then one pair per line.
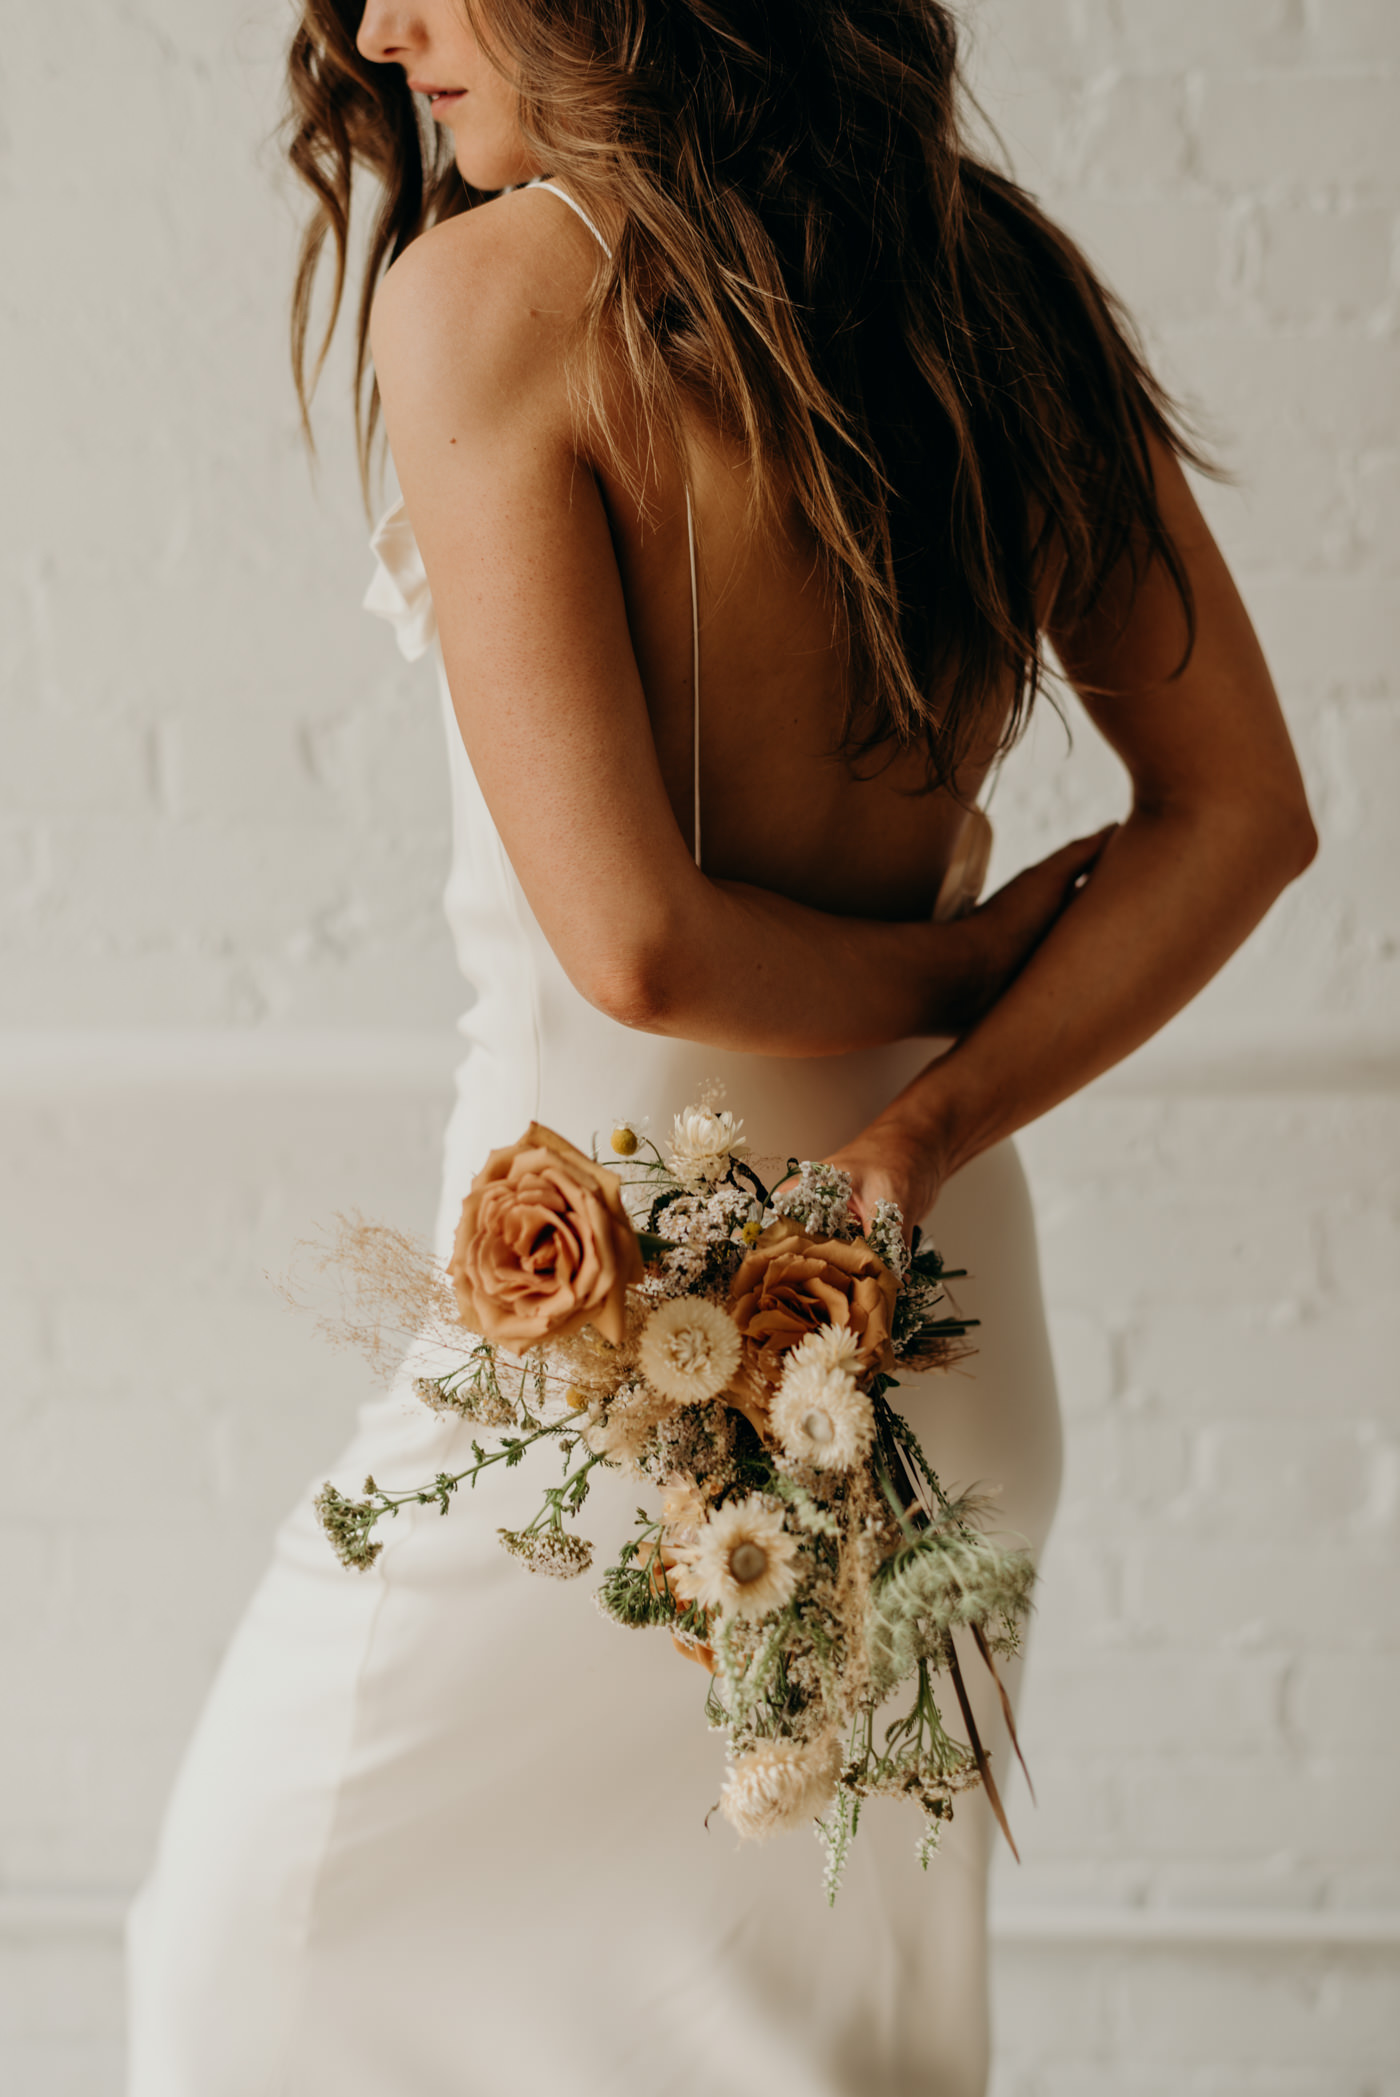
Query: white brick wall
x,y
222,822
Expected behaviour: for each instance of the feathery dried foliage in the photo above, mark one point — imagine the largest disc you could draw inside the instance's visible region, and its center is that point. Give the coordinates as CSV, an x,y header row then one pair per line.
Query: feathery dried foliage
x,y
390,1291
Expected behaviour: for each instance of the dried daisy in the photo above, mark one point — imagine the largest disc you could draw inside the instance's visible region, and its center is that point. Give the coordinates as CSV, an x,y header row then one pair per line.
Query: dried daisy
x,y
743,1560
779,1784
689,1349
821,1417
828,1347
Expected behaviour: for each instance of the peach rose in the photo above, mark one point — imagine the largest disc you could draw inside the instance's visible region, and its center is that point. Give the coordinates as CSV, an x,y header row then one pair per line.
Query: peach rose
x,y
790,1285
544,1245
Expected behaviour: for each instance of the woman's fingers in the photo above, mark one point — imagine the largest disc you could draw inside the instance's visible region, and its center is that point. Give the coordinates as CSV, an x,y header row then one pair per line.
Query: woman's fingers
x,y
1009,926
885,1166
1034,899
1065,869
1081,855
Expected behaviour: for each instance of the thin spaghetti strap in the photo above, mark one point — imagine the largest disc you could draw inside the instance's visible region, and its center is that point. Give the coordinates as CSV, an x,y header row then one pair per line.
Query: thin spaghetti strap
x,y
543,182
694,665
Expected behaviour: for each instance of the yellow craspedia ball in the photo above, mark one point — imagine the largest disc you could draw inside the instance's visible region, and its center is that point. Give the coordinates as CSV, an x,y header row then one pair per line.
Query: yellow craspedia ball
x,y
624,1140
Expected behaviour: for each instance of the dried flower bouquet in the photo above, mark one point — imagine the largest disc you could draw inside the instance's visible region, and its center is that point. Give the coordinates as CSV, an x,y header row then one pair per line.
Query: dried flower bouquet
x,y
734,1348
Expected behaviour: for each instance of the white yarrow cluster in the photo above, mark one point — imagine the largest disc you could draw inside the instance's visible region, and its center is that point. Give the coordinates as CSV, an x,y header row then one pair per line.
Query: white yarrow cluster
x,y
556,1552
711,1215
778,1785
819,1200
885,1235
742,1562
703,1143
689,1349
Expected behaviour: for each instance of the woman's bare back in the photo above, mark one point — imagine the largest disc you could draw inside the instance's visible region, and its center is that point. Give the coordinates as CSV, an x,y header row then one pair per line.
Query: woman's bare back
x,y
780,807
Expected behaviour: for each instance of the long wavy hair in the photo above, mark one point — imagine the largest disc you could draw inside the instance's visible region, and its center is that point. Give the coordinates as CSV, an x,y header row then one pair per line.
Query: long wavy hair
x,y
906,345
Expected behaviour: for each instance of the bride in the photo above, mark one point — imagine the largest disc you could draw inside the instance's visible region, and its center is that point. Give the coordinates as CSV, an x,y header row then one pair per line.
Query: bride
x,y
754,441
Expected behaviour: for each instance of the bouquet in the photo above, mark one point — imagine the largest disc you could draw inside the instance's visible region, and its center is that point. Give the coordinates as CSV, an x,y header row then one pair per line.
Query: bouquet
x,y
733,1349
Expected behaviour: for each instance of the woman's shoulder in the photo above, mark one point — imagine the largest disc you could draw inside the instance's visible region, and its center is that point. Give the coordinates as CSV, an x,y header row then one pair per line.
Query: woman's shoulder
x,y
488,296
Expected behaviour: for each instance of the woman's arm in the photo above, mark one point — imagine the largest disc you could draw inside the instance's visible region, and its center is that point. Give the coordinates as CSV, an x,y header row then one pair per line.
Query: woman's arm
x,y
468,336
1219,826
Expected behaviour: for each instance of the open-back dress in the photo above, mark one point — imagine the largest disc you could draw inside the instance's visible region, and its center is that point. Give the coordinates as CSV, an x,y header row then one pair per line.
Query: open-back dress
x,y
441,1830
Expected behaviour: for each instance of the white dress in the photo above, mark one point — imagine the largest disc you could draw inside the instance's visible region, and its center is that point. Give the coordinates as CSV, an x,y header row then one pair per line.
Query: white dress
x,y
441,1828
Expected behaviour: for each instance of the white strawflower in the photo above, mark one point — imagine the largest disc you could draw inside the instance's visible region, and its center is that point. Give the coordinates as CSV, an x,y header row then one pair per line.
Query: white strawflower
x,y
702,1144
689,1349
820,1415
743,1560
778,1785
827,1347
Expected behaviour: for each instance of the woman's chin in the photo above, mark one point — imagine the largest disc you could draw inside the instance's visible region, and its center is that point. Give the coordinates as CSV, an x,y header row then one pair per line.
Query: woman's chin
x,y
482,166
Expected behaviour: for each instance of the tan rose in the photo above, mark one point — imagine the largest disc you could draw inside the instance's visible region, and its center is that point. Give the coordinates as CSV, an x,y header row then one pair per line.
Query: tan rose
x,y
544,1245
790,1285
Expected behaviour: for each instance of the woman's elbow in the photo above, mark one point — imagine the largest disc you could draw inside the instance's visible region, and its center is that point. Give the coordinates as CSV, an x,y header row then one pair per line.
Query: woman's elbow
x,y
638,987
1295,837
1276,842
1267,830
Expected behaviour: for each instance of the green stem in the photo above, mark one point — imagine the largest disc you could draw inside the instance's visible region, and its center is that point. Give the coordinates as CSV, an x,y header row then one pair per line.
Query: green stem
x,y
448,1482
653,1244
893,1425
897,1507
554,1499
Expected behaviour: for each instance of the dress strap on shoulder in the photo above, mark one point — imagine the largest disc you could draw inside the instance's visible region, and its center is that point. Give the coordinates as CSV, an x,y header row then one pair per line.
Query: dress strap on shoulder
x,y
543,182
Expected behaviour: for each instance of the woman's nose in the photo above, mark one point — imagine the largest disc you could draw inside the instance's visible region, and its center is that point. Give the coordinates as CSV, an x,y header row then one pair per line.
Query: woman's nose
x,y
385,32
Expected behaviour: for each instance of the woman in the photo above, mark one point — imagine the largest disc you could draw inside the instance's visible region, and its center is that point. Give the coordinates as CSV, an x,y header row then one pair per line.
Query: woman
x,y
753,439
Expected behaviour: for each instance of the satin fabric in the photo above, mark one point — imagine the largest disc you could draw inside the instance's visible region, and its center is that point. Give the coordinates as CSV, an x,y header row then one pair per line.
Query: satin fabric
x,y
441,1830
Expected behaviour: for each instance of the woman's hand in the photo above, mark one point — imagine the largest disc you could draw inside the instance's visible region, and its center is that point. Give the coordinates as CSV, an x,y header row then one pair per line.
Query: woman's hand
x,y
1219,826
885,1164
1006,929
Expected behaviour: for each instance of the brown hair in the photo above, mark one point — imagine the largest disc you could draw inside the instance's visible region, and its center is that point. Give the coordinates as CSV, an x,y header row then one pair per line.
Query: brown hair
x,y
900,336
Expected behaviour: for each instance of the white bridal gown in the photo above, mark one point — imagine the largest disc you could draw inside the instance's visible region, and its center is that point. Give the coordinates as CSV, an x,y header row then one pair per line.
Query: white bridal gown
x,y
441,1831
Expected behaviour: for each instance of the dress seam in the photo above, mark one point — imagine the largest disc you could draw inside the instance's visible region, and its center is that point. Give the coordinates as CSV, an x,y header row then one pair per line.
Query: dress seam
x,y
285,2086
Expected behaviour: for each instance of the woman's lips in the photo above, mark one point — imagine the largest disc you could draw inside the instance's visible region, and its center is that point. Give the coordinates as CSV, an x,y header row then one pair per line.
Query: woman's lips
x,y
439,97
